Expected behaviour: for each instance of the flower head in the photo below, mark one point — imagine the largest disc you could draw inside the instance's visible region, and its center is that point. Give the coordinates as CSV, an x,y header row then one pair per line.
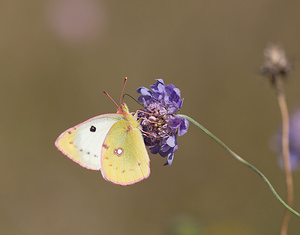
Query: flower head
x,y
294,142
159,120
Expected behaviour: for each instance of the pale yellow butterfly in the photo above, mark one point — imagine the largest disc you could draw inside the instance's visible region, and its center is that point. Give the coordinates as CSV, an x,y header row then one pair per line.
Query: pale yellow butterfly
x,y
111,143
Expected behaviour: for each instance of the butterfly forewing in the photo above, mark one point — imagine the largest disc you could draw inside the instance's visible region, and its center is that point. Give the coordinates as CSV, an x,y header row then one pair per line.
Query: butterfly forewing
x,y
83,142
124,158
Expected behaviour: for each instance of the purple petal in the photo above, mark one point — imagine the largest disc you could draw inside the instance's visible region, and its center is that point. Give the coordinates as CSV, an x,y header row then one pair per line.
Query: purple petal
x,y
160,81
158,96
159,86
176,122
170,88
165,148
179,104
144,91
167,100
164,154
154,149
171,141
183,127
170,159
175,148
172,109
175,95
145,94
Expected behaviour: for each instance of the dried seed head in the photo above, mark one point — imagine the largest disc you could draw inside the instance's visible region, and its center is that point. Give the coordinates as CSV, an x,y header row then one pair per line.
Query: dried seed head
x,y
275,62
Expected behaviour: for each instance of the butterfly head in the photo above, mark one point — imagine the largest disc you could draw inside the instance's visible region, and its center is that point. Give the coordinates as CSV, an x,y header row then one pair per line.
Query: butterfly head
x,y
123,109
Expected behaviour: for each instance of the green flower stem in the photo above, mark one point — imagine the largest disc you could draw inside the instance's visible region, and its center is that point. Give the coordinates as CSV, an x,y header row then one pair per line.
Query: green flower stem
x,y
237,157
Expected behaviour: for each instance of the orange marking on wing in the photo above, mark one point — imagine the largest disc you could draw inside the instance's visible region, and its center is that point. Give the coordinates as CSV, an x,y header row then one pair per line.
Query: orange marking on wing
x,y
70,132
105,146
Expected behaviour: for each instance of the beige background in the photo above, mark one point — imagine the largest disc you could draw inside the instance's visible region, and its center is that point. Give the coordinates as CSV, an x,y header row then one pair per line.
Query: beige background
x,y
54,68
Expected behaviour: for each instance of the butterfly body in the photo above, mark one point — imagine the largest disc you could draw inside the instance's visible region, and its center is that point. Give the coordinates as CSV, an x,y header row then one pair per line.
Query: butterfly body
x,y
111,143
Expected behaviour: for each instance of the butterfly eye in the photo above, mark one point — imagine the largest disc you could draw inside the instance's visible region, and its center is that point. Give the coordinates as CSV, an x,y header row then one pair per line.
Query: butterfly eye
x,y
92,129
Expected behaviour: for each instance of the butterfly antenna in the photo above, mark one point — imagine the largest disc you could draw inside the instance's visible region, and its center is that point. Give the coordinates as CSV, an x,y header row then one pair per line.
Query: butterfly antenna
x,y
110,98
133,99
125,80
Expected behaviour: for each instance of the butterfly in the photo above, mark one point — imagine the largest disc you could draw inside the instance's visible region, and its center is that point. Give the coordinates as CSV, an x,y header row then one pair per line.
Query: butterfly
x,y
111,143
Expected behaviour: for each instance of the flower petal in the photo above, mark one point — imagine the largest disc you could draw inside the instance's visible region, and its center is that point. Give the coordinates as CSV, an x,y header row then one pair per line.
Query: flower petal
x,y
183,128
159,86
171,141
170,89
144,91
154,149
170,159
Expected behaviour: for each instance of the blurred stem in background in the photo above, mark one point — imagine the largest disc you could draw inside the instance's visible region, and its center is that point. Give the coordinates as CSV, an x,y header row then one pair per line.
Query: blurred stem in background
x,y
276,66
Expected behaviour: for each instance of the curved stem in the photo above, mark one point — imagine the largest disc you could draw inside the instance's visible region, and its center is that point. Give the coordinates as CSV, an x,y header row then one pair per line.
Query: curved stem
x,y
237,157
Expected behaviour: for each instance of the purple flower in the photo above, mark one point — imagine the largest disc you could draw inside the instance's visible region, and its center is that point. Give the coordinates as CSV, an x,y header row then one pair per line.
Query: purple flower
x,y
294,142
159,121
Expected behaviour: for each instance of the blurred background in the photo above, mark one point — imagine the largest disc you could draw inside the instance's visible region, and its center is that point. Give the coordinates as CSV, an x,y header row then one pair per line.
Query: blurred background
x,y
56,57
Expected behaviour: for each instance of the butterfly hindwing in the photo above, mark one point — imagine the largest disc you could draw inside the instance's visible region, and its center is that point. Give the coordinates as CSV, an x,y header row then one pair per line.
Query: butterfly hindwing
x,y
124,158
83,142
